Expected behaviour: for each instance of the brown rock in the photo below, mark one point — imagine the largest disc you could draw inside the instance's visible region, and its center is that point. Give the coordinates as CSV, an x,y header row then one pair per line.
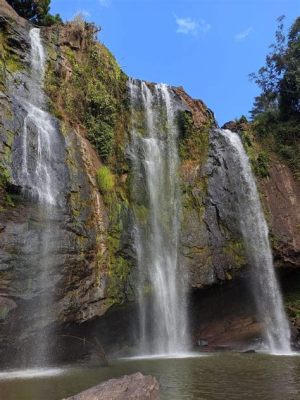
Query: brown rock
x,y
8,12
200,113
129,387
281,197
237,126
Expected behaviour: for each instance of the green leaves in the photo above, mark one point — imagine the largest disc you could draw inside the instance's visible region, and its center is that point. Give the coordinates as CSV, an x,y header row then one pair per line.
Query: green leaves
x,y
36,11
261,165
276,111
105,179
95,96
279,79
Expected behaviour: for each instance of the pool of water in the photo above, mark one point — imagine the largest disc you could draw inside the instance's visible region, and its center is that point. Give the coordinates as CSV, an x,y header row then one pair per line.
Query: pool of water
x,y
226,376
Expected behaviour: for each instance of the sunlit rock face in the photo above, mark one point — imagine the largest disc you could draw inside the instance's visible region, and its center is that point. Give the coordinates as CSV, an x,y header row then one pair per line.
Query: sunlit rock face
x,y
282,201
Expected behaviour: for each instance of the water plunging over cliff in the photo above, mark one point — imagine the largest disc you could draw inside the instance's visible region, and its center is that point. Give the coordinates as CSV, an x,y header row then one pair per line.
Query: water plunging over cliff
x,y
162,298
37,174
254,229
38,155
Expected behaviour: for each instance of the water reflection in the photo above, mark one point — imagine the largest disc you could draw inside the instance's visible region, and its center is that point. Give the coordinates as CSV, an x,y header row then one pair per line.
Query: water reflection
x,y
218,376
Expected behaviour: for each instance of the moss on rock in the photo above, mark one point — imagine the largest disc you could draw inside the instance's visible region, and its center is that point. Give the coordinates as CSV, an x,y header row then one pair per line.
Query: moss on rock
x,y
90,89
105,180
194,140
236,252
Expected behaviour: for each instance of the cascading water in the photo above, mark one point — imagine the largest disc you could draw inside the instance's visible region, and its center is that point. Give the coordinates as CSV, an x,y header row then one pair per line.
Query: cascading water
x,y
163,321
254,229
37,174
39,156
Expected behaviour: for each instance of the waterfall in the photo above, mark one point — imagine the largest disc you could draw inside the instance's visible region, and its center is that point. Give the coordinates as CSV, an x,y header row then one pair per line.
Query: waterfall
x,y
156,194
39,157
37,174
254,229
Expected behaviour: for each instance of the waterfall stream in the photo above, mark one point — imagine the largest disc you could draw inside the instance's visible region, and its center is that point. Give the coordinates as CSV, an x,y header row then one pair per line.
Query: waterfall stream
x,y
37,175
254,229
162,297
39,156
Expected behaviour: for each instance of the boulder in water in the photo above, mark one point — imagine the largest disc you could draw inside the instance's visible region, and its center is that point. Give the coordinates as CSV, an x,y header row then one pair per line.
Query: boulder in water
x,y
129,387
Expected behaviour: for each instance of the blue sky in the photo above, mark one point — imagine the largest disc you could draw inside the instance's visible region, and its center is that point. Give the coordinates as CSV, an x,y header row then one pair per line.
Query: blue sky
x,y
207,46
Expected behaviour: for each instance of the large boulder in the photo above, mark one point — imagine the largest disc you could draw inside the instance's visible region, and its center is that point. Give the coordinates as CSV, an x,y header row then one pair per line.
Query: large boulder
x,y
129,387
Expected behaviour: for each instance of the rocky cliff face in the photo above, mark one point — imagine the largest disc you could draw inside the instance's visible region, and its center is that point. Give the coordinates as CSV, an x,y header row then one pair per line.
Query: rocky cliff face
x,y
94,263
281,196
81,224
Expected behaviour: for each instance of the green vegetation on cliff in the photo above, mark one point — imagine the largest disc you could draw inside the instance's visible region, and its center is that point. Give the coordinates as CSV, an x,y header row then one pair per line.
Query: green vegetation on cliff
x,y
194,140
258,151
36,11
88,94
9,59
90,91
10,63
105,180
276,111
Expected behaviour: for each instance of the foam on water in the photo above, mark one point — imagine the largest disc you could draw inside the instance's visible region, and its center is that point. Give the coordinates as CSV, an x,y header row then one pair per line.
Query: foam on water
x,y
30,373
166,356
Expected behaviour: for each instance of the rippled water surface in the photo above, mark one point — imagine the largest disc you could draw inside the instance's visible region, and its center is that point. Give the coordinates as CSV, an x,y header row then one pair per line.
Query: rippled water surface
x,y
212,377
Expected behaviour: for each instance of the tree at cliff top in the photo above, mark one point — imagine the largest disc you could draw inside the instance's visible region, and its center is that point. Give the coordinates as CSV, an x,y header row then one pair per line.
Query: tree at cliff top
x,y
276,110
36,11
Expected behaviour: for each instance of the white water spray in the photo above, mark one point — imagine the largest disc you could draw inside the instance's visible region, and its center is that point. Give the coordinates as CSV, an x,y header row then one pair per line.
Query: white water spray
x,y
163,321
38,175
255,233
41,152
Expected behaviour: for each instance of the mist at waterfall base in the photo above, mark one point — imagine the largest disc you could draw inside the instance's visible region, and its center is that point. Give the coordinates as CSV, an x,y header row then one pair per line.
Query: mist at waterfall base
x,y
36,161
253,227
163,328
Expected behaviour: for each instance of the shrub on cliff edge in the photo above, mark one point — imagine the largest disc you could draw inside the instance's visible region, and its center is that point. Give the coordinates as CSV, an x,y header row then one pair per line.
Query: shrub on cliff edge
x,y
36,11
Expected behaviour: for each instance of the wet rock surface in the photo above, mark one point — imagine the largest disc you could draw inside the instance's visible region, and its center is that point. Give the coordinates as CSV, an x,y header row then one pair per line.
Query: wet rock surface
x,y
129,387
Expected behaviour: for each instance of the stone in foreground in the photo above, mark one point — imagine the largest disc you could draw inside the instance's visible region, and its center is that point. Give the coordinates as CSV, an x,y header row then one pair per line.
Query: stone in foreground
x,y
129,387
